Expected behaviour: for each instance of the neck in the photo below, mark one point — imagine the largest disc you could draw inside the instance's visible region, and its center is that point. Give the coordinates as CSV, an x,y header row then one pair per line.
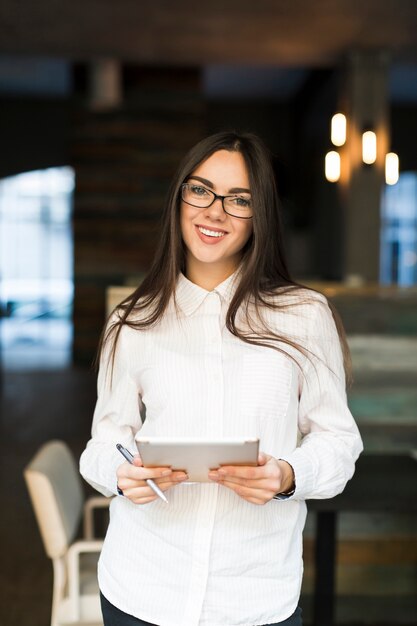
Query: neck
x,y
209,277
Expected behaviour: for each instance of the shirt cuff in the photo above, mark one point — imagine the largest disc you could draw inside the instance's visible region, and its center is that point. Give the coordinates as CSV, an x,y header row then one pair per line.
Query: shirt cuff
x,y
303,474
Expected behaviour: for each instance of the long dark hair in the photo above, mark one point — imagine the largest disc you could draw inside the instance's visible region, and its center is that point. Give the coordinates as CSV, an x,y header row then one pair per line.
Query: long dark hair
x,y
264,269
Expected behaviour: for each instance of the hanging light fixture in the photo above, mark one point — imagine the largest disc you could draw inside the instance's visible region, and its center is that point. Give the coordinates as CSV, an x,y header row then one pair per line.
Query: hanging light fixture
x,y
369,147
392,166
338,129
332,166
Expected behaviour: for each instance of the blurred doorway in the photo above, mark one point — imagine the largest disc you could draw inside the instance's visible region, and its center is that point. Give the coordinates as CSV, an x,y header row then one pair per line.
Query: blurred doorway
x,y
399,232
36,269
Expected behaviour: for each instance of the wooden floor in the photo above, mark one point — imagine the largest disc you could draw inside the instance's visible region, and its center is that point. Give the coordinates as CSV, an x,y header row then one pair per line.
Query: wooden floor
x,y
39,406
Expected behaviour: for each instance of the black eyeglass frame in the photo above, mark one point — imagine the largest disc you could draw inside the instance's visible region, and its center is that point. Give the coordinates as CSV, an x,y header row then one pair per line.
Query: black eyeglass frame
x,y
215,197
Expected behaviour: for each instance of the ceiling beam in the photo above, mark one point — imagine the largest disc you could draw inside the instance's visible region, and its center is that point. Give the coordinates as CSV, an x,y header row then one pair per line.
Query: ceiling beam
x,y
183,32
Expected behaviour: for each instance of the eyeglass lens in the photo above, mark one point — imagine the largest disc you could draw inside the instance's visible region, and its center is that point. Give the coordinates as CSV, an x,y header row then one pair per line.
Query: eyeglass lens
x,y
199,196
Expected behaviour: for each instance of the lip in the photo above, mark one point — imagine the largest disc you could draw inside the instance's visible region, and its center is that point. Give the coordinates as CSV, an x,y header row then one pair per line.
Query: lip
x,y
205,238
216,230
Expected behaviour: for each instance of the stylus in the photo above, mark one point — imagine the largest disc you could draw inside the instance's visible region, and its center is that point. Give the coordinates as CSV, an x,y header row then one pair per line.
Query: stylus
x,y
129,458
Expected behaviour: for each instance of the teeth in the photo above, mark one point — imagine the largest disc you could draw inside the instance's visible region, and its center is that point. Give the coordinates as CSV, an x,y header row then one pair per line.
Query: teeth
x,y
210,233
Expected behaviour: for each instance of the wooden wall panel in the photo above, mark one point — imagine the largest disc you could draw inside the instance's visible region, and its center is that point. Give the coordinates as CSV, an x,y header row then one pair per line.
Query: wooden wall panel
x,y
124,161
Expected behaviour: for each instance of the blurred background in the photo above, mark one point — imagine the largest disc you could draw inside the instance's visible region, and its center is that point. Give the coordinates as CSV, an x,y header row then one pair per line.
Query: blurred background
x,y
99,101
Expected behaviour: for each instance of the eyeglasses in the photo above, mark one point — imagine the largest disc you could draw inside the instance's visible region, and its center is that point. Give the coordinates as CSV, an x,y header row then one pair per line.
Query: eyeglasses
x,y
201,197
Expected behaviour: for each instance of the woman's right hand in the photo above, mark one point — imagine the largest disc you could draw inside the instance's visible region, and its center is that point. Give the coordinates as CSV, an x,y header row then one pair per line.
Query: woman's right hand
x,y
131,479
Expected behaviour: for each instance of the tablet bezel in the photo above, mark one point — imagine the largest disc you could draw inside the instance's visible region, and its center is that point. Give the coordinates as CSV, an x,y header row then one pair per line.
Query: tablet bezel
x,y
197,456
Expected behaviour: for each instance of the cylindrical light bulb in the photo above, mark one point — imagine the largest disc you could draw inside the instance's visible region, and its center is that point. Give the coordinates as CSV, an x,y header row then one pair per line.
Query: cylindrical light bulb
x,y
338,129
332,166
392,166
369,147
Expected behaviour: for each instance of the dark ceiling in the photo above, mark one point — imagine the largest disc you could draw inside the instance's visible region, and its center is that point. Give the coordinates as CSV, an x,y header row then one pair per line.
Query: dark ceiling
x,y
279,32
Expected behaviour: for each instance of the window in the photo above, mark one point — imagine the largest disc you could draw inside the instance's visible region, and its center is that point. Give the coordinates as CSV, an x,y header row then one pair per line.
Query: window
x,y
36,268
399,232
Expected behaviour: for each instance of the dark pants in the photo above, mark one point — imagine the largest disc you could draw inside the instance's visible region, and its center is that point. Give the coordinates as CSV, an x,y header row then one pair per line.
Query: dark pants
x,y
115,617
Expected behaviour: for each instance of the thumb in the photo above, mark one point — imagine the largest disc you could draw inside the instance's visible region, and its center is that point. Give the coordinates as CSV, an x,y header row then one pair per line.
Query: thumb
x,y
262,458
137,461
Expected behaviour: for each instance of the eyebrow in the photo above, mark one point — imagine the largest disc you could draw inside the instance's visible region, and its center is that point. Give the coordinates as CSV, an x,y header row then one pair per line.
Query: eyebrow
x,y
208,183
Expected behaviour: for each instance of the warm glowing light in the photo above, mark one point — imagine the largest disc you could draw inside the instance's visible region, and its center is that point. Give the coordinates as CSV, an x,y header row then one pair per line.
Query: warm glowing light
x,y
369,147
392,167
338,129
332,166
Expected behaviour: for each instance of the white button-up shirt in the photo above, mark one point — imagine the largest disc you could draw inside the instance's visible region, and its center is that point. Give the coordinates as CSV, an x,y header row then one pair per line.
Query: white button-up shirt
x,y
210,558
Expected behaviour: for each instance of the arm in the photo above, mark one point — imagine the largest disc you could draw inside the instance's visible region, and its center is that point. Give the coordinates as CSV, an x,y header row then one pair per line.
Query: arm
x,y
330,444
117,420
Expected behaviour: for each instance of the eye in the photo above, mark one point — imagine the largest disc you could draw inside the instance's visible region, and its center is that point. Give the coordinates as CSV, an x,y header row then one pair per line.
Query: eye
x,y
197,190
242,203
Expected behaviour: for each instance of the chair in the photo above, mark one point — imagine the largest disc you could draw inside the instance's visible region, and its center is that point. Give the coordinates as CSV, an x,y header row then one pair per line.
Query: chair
x,y
56,493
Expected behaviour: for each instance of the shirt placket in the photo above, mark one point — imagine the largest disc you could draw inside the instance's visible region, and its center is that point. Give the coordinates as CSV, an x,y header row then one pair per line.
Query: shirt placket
x,y
204,522
213,365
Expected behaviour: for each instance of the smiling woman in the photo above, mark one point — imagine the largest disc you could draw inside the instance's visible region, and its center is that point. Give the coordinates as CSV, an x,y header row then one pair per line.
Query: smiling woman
x,y
218,342
214,239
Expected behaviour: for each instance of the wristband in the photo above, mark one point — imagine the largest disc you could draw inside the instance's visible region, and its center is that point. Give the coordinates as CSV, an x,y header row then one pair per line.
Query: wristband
x,y
284,496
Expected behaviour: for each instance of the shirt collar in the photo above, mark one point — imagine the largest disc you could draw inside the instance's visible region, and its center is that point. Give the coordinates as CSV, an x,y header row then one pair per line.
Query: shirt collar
x,y
190,296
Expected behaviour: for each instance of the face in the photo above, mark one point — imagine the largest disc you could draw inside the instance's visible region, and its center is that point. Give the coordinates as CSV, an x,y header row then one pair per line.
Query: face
x,y
214,240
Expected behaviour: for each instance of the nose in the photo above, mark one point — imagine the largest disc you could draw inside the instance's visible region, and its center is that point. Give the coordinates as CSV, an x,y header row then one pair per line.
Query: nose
x,y
215,210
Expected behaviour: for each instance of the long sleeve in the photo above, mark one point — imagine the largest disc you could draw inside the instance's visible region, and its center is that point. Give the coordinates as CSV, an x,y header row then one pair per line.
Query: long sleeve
x,y
116,419
331,443
206,558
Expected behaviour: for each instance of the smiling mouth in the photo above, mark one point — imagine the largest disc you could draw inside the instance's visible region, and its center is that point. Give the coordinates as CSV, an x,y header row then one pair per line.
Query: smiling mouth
x,y
211,233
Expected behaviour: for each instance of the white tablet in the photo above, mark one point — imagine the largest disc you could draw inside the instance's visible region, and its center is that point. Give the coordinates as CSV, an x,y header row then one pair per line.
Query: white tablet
x,y
197,456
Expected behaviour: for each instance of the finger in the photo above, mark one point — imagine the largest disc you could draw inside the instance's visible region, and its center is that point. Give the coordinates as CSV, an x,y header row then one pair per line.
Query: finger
x,y
167,483
263,458
138,493
143,473
164,482
267,469
263,484
255,501
239,471
266,485
258,496
164,486
144,500
174,477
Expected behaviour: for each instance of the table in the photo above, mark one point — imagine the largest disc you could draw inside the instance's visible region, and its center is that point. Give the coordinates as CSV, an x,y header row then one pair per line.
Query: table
x,y
382,482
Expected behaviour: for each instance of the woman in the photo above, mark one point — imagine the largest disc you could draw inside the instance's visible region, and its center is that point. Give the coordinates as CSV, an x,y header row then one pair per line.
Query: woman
x,y
218,341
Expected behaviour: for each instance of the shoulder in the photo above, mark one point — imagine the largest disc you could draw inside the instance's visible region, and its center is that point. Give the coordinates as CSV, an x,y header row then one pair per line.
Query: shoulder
x,y
298,299
140,324
295,310
300,293
121,330
140,312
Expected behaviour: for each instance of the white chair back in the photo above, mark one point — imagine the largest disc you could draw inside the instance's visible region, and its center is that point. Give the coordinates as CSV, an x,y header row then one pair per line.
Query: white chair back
x,y
55,489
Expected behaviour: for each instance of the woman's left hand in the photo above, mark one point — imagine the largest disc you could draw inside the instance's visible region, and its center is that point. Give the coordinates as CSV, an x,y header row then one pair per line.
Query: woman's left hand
x,y
257,485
